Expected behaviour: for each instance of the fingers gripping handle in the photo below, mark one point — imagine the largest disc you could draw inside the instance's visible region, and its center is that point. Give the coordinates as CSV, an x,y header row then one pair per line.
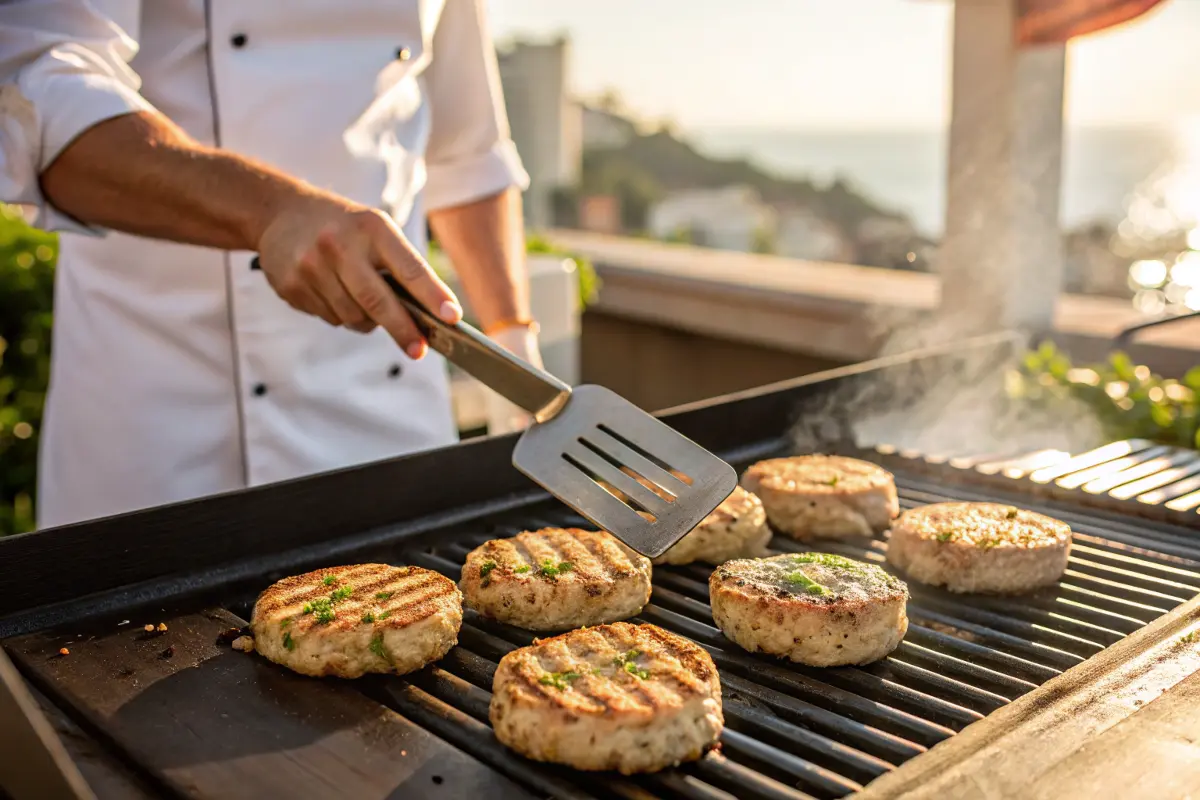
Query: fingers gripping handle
x,y
536,391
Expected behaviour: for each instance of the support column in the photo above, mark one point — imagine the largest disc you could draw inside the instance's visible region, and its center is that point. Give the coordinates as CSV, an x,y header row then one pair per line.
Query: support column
x,y
1001,258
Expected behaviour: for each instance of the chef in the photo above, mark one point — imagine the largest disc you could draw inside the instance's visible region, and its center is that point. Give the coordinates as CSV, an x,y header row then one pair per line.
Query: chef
x,y
172,141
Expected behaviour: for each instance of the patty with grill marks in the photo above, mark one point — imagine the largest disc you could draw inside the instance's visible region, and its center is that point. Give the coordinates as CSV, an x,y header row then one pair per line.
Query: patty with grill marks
x,y
556,578
352,620
824,497
735,529
624,697
818,609
988,548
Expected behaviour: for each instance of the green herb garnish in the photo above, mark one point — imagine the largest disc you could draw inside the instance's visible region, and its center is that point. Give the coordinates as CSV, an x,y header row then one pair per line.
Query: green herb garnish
x,y
284,623
384,615
523,568
636,671
828,560
368,617
1189,638
945,537
330,580
1012,513
559,680
321,608
806,583
341,593
550,570
833,481
288,641
485,568
377,647
383,595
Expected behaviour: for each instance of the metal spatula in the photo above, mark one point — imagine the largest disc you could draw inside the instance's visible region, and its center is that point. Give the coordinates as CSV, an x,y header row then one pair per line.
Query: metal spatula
x,y
588,434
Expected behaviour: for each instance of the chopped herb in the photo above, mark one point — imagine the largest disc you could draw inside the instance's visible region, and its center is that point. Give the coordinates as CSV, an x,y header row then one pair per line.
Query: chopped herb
x,y
321,608
486,567
285,623
559,680
1012,513
384,616
368,617
383,595
341,593
828,560
377,647
833,481
523,568
1190,637
549,570
288,641
636,671
806,583
945,537
330,580
988,544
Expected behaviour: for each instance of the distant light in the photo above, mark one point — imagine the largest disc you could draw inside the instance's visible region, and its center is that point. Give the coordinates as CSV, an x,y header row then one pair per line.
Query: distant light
x,y
1186,271
911,257
1150,274
1149,302
1156,394
1192,300
1193,238
22,430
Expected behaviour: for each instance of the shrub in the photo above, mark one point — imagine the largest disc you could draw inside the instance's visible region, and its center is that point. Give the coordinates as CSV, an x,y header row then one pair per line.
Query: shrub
x,y
27,259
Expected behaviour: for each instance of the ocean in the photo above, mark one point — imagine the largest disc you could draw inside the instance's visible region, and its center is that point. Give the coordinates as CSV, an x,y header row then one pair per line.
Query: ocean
x,y
905,170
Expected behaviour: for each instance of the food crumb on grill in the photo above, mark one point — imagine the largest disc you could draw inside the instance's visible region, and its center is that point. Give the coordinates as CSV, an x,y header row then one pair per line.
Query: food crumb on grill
x,y
122,622
227,636
148,628
162,627
170,651
62,651
403,752
243,643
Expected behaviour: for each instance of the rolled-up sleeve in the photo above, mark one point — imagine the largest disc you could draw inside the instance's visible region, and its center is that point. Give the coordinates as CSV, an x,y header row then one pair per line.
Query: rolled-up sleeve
x,y
64,67
471,154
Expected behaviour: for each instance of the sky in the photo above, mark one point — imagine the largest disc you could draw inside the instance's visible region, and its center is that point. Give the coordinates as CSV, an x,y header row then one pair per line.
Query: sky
x,y
839,64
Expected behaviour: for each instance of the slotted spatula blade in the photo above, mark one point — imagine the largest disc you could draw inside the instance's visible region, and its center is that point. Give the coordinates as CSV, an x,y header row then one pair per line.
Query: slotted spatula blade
x,y
601,436
662,483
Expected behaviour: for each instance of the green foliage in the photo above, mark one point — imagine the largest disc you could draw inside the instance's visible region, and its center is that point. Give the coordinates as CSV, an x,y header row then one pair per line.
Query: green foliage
x,y
589,282
1129,400
27,258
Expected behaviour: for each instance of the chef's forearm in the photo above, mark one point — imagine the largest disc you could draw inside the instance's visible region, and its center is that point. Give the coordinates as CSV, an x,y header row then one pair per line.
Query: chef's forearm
x,y
140,174
485,241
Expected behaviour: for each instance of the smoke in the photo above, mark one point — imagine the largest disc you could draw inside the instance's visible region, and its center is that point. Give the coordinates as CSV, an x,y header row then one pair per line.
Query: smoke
x,y
949,400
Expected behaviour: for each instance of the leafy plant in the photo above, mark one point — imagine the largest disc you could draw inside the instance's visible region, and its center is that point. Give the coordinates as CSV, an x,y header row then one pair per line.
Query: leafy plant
x,y
1129,400
27,258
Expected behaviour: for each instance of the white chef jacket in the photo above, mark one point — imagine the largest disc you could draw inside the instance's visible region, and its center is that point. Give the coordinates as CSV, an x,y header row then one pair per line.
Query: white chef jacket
x,y
177,371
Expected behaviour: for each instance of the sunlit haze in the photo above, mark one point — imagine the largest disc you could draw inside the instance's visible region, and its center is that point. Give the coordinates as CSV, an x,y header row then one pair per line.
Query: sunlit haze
x,y
867,64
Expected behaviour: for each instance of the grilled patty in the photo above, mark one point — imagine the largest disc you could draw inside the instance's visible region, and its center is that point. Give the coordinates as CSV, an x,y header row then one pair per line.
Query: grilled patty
x,y
980,547
815,608
824,497
735,529
348,621
556,578
631,698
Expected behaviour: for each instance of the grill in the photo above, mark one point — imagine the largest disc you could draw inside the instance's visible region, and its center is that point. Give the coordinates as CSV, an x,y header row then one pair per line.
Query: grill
x,y
176,713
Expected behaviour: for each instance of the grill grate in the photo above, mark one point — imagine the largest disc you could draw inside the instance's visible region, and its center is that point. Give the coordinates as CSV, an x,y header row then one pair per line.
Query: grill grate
x,y
794,731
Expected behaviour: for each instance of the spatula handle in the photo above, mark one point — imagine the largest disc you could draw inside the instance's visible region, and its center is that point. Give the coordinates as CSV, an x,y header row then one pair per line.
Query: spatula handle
x,y
536,391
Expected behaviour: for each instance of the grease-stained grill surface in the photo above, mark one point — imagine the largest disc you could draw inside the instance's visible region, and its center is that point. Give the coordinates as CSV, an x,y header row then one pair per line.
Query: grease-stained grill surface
x,y
553,579
630,698
352,620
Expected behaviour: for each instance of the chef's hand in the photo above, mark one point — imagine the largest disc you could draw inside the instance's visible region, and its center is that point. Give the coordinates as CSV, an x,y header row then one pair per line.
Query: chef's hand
x,y
322,254
503,416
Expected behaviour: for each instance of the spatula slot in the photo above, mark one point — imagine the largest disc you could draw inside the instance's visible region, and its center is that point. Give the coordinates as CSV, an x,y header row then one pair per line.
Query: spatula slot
x,y
602,467
612,490
639,452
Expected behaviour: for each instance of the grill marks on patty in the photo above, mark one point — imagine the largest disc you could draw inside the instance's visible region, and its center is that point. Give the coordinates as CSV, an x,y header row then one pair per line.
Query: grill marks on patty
x,y
395,597
592,555
598,656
